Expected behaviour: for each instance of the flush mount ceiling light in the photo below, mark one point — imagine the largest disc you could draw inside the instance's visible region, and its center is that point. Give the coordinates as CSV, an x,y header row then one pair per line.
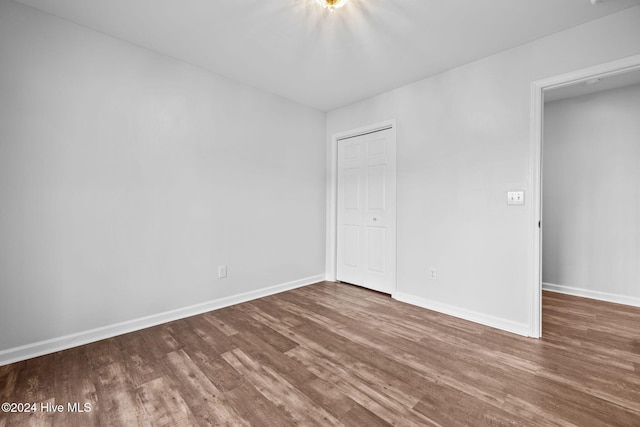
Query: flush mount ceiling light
x,y
332,5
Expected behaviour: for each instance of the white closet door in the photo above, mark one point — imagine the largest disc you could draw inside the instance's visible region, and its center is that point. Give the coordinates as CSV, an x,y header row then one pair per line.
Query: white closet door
x,y
366,252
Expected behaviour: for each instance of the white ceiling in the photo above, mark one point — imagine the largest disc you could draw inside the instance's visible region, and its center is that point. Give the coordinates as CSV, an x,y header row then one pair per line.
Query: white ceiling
x,y
300,51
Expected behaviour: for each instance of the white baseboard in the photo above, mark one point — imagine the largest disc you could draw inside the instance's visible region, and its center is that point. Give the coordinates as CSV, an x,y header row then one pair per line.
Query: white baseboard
x,y
586,293
40,348
472,316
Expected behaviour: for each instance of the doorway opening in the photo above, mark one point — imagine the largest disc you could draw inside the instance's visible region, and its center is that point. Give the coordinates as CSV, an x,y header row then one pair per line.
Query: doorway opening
x,y
608,75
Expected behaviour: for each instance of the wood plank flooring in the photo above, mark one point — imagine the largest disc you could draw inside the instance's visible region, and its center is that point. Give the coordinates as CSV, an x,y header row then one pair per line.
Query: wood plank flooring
x,y
334,354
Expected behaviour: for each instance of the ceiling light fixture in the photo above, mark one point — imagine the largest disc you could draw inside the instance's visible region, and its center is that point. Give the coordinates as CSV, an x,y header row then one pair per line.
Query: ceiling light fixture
x,y
332,5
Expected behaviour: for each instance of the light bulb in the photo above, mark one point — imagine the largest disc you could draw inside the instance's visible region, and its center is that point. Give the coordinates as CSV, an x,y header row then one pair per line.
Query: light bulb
x,y
332,5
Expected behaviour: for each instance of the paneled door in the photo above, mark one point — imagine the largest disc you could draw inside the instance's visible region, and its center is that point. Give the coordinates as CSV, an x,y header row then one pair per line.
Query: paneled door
x,y
366,217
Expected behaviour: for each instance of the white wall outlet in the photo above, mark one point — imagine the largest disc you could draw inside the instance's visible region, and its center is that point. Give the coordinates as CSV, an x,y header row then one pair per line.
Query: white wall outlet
x,y
515,198
433,273
222,271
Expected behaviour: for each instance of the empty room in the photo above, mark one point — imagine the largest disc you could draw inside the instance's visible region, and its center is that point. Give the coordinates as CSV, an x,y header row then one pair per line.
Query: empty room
x,y
319,212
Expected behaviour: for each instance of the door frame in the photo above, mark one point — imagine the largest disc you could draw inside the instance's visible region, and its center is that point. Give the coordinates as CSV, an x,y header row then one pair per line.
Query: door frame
x,y
631,63
332,195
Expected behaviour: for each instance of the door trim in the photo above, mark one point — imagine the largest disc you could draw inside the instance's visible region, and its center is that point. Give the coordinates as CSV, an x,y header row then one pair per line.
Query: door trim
x,y
631,63
332,194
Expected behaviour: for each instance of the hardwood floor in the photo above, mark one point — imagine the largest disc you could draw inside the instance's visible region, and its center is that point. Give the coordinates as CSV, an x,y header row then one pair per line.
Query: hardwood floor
x,y
334,354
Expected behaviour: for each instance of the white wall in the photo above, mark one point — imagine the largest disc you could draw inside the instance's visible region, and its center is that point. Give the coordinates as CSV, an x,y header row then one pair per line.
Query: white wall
x,y
463,141
591,234
126,177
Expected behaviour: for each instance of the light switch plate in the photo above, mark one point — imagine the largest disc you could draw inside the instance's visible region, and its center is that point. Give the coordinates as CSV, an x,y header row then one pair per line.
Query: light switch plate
x,y
515,198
